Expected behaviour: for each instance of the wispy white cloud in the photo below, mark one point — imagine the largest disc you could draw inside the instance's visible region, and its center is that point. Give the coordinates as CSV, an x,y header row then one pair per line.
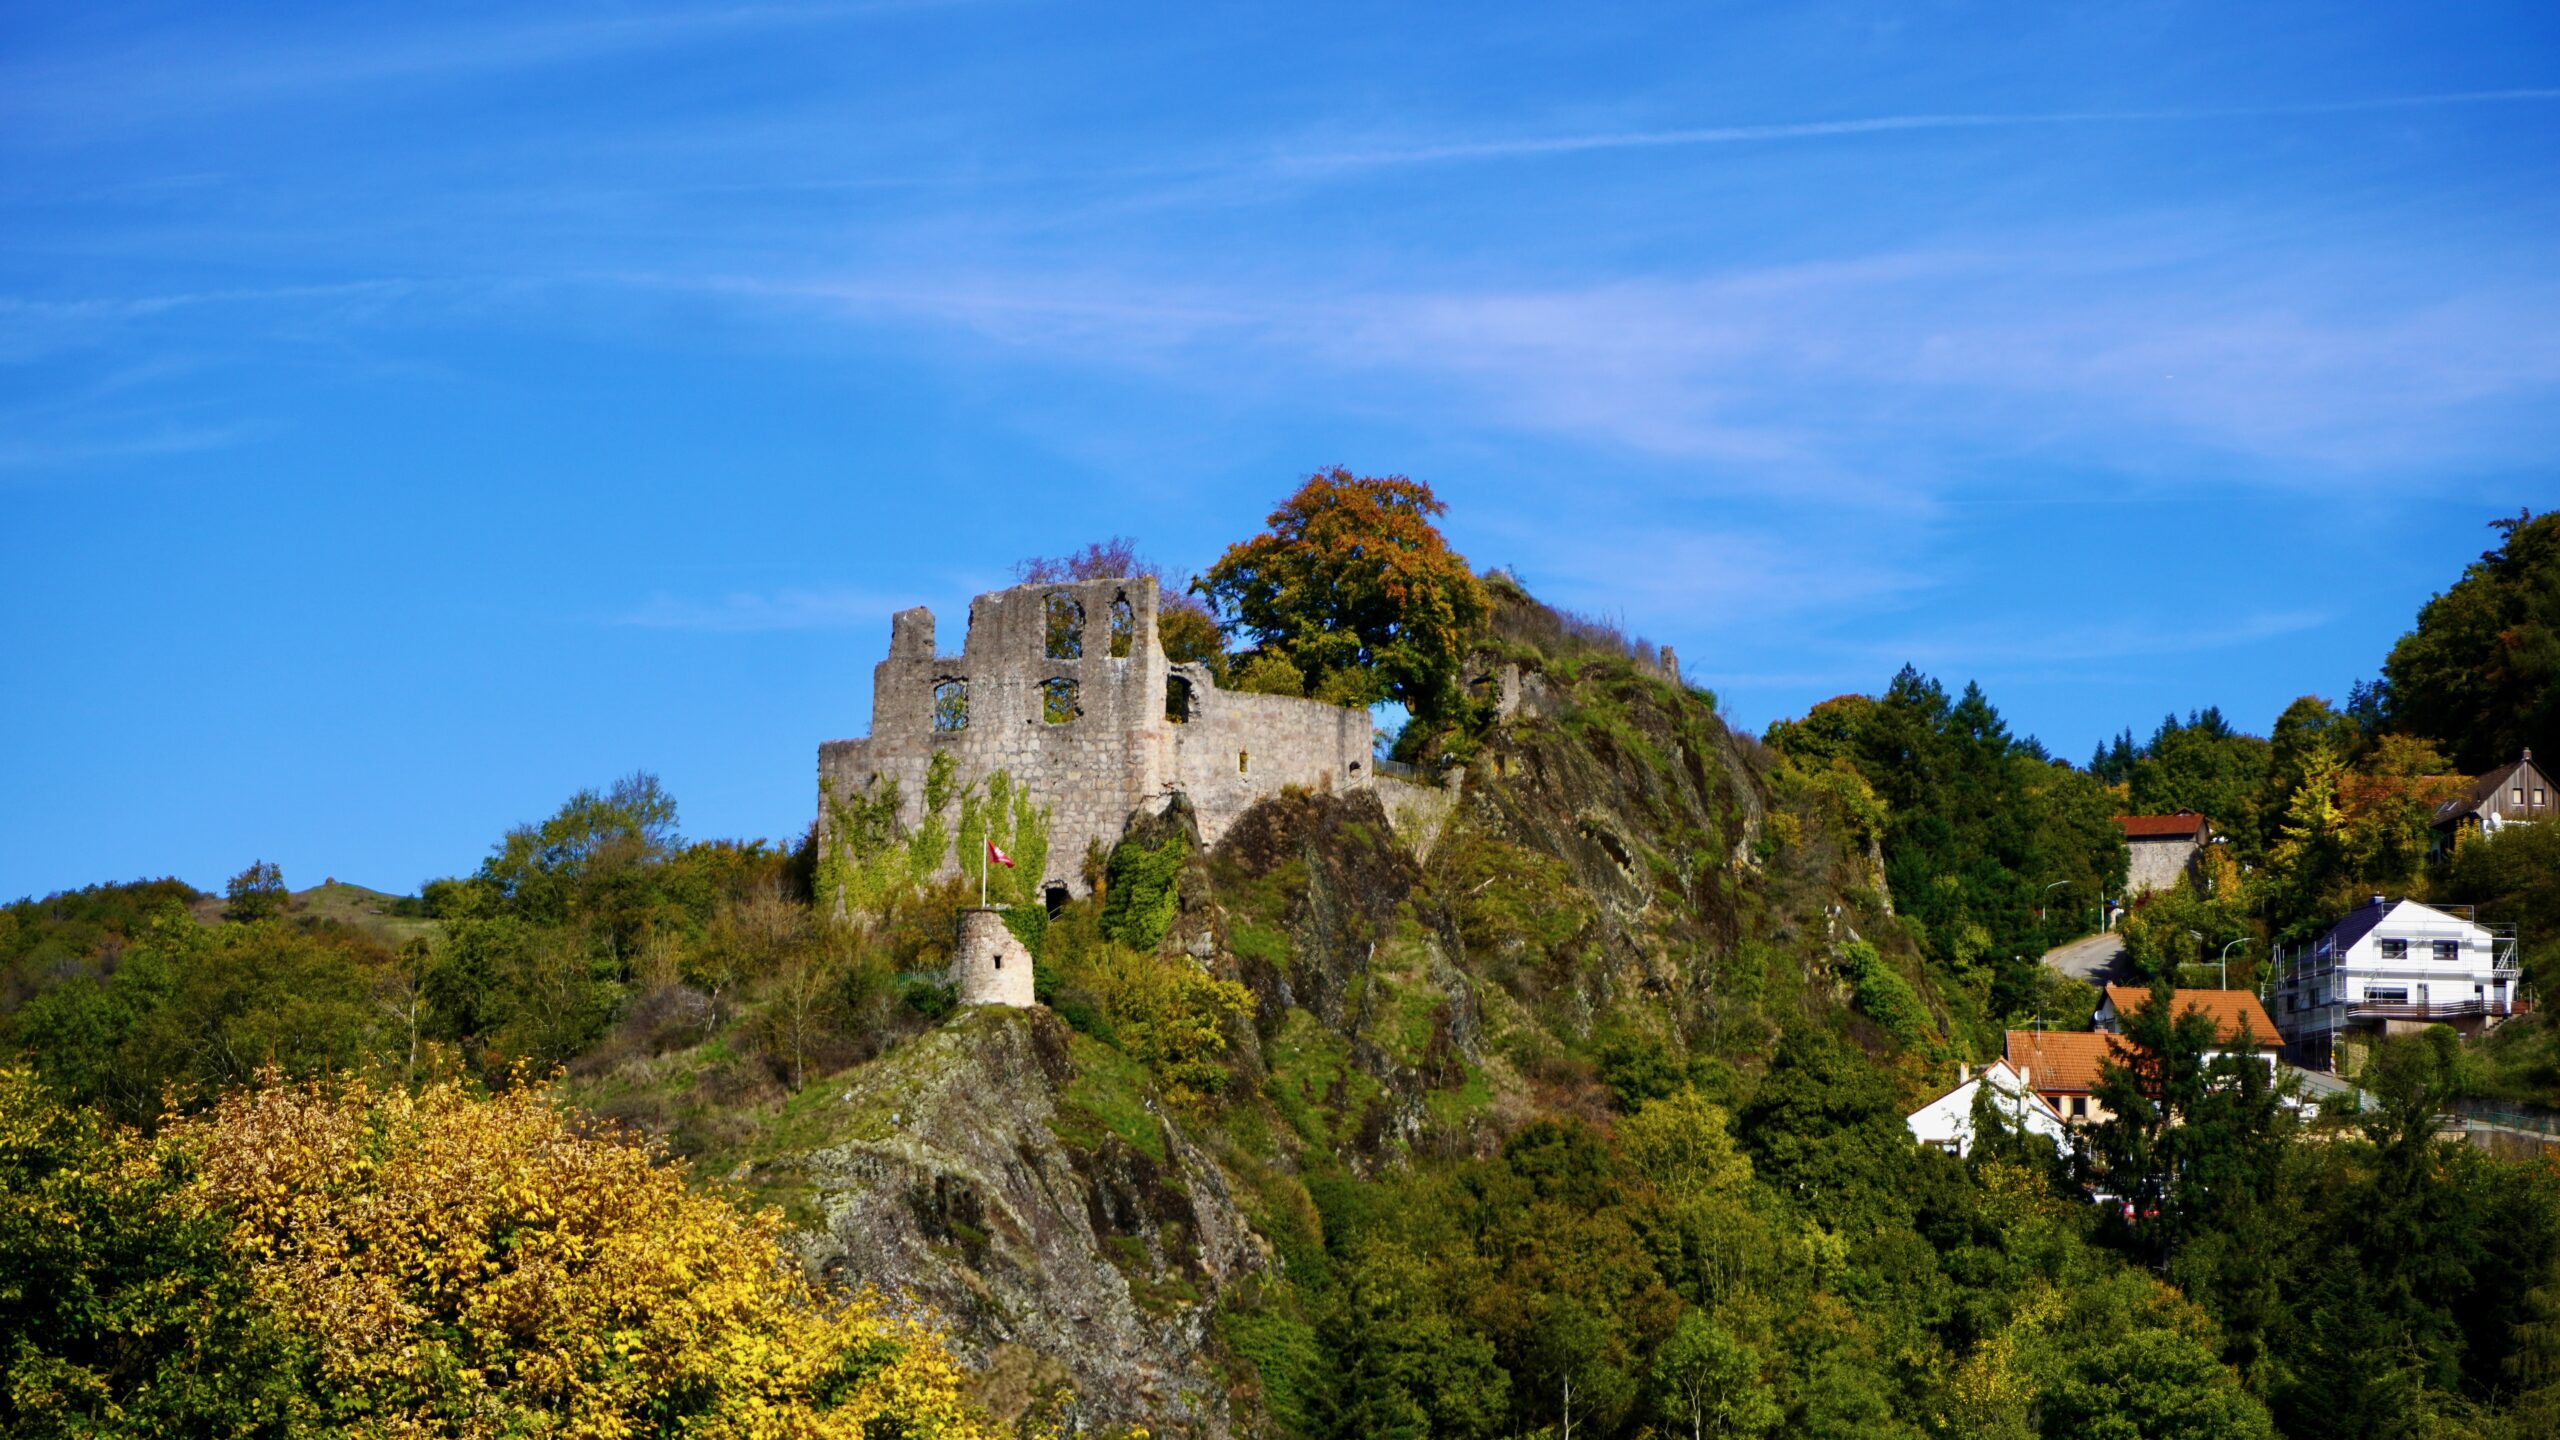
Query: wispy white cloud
x,y
748,612
2011,642
2119,347
212,66
66,453
31,327
1533,146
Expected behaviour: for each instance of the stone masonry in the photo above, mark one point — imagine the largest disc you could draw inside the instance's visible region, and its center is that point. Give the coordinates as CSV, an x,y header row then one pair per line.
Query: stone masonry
x,y
1066,687
989,965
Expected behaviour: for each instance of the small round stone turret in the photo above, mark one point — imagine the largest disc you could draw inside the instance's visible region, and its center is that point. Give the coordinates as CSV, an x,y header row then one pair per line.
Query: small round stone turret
x,y
989,966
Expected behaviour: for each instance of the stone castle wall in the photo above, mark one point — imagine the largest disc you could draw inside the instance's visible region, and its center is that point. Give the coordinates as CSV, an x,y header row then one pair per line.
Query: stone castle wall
x,y
1118,749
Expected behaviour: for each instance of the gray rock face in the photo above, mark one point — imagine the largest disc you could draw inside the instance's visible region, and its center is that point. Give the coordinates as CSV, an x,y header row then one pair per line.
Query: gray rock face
x,y
1098,1263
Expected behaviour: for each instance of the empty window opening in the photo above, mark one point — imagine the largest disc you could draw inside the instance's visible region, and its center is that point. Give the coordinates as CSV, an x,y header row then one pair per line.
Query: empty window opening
x,y
1242,760
1055,898
1177,700
1124,627
950,706
1058,701
1065,629
999,956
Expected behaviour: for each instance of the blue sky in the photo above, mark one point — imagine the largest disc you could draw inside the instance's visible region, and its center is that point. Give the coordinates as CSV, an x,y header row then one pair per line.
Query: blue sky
x,y
410,414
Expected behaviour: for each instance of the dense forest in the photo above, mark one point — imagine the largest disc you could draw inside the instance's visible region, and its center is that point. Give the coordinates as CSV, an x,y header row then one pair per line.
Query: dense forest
x,y
1577,1113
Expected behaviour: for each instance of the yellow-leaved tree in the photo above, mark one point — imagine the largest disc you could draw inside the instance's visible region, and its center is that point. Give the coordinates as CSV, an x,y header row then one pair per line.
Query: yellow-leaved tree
x,y
478,1266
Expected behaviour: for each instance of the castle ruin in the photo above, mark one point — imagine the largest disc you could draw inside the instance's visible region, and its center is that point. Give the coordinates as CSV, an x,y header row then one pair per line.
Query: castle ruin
x,y
1066,688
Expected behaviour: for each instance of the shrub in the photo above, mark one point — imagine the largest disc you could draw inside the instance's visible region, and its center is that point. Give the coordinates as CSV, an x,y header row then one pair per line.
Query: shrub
x,y
1886,996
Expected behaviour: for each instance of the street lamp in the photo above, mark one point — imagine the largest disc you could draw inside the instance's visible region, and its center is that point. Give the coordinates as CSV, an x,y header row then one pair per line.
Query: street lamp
x,y
2049,889
2226,961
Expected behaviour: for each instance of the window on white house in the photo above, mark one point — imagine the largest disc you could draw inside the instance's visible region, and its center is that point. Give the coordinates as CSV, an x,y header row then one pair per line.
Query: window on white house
x,y
2079,1107
2387,994
2395,949
2448,950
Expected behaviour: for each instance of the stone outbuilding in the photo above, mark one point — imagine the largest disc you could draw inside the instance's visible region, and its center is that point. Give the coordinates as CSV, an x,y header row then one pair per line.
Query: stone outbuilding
x,y
2161,848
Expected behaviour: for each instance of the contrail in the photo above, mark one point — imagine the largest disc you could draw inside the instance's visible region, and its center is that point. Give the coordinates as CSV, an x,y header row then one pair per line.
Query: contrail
x,y
1528,146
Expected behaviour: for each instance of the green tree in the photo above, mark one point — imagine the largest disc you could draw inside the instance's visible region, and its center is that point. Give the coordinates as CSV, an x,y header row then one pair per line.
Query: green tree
x,y
1359,591
2202,765
1825,1132
1996,849
2480,672
1410,1369
255,893
122,1311
2196,1131
1711,1382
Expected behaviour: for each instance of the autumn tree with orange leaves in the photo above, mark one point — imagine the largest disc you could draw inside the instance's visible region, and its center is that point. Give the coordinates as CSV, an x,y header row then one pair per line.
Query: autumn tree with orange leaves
x,y
1356,590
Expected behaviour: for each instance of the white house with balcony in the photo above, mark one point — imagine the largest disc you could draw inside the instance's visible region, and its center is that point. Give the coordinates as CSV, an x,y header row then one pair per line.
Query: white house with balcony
x,y
2391,967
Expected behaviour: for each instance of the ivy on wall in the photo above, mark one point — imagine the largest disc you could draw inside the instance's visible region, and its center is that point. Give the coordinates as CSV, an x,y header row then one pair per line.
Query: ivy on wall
x,y
870,857
1004,813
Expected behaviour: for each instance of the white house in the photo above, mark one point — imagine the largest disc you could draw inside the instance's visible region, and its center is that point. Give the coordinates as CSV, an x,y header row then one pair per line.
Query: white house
x,y
1947,1122
2391,967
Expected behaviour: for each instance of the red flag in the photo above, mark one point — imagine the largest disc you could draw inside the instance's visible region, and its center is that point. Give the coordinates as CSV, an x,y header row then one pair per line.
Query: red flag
x,y
998,857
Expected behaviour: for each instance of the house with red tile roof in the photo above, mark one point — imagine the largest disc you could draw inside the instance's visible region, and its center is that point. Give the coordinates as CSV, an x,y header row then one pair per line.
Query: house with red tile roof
x,y
2063,1066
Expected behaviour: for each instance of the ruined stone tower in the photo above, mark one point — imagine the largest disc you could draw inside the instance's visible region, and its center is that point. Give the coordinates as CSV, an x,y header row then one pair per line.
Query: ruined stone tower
x,y
989,965
1065,687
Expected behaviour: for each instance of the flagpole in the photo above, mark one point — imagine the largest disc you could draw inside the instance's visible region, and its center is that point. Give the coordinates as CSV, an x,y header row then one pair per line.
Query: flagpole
x,y
988,847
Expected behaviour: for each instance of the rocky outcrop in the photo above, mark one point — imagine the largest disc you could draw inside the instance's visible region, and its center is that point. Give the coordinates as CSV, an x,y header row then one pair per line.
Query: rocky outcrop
x,y
1093,1264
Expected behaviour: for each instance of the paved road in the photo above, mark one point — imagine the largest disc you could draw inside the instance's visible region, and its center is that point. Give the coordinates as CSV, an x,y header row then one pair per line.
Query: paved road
x,y
2095,959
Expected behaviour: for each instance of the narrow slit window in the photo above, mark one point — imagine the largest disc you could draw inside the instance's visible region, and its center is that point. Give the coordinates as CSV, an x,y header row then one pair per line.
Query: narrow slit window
x,y
1243,760
1064,629
950,706
1058,703
1124,627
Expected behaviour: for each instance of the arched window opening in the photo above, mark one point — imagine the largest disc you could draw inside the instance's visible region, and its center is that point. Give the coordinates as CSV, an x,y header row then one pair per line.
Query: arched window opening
x,y
1065,629
1055,898
1177,700
1058,701
950,706
1124,627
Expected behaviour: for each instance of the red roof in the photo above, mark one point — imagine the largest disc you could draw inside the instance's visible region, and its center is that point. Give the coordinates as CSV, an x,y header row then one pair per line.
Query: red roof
x,y
2229,1009
2185,825
2063,1061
